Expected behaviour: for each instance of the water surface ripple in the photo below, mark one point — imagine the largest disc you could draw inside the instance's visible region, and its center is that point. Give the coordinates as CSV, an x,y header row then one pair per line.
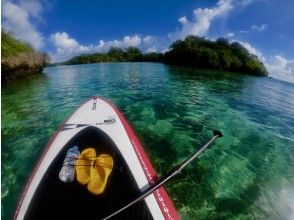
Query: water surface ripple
x,y
248,174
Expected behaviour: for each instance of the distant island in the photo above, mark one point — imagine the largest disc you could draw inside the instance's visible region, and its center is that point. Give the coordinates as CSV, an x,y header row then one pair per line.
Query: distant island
x,y
19,59
194,51
115,54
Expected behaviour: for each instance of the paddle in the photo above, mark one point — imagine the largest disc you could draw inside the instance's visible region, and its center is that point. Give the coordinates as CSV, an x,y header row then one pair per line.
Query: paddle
x,y
171,174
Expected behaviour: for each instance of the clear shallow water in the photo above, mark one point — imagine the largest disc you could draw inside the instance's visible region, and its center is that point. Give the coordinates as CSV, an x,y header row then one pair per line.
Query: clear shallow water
x,y
247,174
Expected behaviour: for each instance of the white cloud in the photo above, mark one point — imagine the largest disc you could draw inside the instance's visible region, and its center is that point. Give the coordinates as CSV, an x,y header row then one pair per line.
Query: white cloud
x,y
277,66
16,19
230,35
253,50
281,68
148,39
151,49
244,2
260,28
150,43
33,7
201,21
127,41
243,32
199,24
254,29
62,40
131,41
183,20
67,47
101,44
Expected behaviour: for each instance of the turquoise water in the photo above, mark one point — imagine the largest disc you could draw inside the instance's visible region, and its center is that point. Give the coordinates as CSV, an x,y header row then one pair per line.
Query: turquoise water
x,y
248,174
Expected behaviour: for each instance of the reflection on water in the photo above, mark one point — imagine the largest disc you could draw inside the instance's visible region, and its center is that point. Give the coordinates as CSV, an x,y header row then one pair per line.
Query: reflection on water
x,y
245,175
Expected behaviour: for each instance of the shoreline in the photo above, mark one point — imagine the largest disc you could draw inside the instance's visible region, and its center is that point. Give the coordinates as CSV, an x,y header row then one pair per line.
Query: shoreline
x,y
22,65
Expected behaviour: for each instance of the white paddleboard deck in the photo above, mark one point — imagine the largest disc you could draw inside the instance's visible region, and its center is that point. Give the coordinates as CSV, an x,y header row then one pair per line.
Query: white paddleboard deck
x,y
103,115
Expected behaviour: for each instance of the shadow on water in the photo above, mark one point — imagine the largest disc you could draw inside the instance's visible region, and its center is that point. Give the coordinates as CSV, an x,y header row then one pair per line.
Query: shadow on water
x,y
28,81
219,81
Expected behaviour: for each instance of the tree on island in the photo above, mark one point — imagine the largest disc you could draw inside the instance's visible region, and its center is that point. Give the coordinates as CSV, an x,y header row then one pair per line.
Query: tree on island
x,y
115,54
194,51
220,54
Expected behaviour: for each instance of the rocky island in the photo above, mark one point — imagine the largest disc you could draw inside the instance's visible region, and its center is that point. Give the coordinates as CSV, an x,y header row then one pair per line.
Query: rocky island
x,y
19,59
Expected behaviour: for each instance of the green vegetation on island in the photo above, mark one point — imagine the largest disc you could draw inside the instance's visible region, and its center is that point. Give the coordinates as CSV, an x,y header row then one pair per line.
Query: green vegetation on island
x,y
19,59
12,47
115,54
194,51
220,54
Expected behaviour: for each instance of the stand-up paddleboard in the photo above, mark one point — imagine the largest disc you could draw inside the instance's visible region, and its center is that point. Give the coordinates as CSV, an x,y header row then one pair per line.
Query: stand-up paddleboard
x,y
98,130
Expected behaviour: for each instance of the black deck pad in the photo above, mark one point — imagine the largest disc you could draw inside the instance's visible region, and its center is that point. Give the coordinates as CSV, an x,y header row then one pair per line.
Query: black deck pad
x,y
54,199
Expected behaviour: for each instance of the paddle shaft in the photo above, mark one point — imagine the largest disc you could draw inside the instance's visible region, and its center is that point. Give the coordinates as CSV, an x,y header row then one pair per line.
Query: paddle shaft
x,y
172,173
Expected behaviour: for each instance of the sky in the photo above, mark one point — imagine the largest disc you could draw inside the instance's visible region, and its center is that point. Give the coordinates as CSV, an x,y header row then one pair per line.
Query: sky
x,y
68,28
